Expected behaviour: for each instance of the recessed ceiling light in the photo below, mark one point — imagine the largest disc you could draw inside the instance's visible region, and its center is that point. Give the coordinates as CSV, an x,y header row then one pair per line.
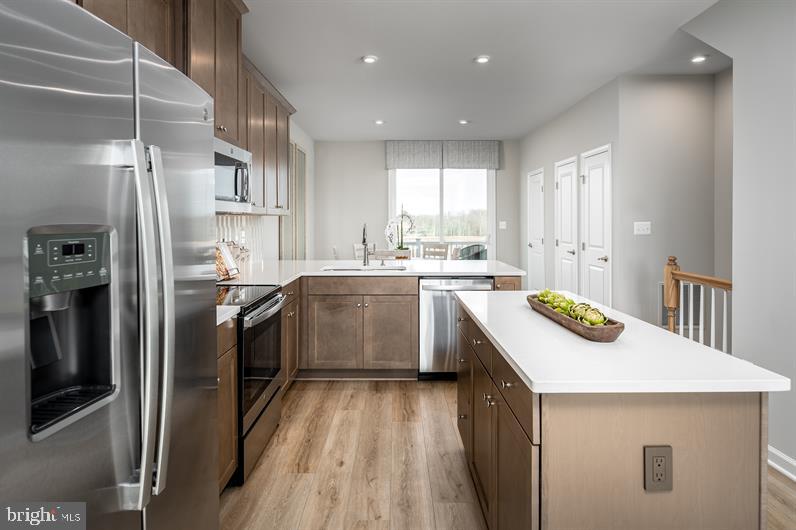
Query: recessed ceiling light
x,y
482,59
369,59
699,58
379,122
464,122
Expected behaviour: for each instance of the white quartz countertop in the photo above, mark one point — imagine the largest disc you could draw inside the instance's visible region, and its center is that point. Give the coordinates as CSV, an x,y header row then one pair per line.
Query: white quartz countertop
x,y
225,312
282,272
645,358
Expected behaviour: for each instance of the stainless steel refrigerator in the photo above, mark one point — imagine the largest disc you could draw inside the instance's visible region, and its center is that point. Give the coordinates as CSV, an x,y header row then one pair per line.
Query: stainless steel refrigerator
x,y
107,279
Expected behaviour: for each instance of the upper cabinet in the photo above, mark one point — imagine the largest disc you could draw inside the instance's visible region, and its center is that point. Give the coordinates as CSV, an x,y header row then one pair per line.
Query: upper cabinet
x,y
201,54
153,23
228,71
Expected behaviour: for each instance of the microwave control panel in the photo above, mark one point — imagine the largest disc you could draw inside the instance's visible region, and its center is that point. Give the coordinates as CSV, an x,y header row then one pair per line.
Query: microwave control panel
x,y
59,262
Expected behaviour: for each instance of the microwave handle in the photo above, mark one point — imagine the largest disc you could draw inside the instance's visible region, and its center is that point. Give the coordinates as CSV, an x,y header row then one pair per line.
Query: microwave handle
x,y
235,192
244,182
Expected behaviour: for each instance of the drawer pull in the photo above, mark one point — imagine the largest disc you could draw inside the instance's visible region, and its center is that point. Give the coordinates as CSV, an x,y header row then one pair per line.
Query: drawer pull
x,y
506,385
477,342
460,319
462,416
462,361
222,128
290,293
490,402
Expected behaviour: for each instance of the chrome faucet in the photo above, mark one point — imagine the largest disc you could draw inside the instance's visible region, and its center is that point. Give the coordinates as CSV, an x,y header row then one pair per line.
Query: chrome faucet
x,y
365,257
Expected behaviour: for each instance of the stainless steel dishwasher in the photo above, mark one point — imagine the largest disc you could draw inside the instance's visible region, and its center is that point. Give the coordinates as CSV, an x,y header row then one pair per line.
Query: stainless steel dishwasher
x,y
438,323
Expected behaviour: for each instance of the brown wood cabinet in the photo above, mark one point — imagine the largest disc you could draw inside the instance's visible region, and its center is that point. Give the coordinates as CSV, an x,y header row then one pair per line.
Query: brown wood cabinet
x,y
390,332
464,393
228,73
335,332
282,159
227,404
361,331
201,41
255,138
482,460
516,462
508,283
290,341
150,22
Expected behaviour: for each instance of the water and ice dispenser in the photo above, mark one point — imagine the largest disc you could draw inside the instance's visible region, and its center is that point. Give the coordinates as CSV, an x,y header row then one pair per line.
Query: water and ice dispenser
x,y
71,344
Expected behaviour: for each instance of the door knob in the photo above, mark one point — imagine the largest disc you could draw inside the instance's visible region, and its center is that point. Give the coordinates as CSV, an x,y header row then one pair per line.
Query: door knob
x,y
603,258
571,252
530,245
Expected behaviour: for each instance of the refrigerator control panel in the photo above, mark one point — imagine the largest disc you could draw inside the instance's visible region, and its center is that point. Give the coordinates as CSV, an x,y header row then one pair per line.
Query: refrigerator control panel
x,y
67,261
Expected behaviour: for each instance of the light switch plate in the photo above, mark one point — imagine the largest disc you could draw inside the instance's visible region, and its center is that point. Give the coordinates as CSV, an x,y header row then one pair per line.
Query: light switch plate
x,y
502,225
642,228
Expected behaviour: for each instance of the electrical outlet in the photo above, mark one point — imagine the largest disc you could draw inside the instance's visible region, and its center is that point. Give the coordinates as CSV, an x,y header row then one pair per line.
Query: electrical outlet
x,y
658,467
502,225
642,228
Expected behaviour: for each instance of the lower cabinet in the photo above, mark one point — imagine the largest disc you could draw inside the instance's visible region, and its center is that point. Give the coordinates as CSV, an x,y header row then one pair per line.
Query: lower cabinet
x,y
335,332
508,283
227,417
482,460
353,331
503,461
464,393
517,472
290,339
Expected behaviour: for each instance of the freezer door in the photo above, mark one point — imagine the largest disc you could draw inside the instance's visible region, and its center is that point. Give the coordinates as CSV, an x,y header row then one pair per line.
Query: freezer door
x,y
175,123
438,320
66,109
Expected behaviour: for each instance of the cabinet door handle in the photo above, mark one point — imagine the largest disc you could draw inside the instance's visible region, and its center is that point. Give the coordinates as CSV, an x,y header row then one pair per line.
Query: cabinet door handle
x,y
290,293
462,361
476,342
462,416
366,305
490,402
359,305
571,252
505,384
222,128
460,319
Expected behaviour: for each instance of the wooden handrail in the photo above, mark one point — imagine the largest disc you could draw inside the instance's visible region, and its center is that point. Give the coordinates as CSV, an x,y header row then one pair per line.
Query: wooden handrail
x,y
672,276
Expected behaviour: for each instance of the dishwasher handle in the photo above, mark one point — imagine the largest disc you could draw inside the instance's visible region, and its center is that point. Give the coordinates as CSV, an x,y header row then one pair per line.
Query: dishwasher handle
x,y
457,287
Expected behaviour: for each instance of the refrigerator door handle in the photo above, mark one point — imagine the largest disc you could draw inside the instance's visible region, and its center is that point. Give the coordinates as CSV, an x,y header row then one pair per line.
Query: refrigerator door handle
x,y
150,319
167,274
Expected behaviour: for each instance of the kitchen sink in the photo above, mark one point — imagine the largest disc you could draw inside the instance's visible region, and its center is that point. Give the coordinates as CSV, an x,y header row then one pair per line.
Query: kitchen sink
x,y
364,268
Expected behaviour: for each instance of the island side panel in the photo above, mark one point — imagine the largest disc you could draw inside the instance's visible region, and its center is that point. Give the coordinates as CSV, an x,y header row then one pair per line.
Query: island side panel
x,y
593,462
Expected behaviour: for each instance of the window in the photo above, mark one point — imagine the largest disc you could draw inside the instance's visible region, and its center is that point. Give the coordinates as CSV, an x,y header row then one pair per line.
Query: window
x,y
453,209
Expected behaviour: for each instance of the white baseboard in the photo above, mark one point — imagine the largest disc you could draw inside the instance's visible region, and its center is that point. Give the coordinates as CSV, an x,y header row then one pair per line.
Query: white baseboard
x,y
782,462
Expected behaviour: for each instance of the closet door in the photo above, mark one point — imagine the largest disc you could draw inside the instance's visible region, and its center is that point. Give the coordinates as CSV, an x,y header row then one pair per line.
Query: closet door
x,y
536,278
596,224
566,229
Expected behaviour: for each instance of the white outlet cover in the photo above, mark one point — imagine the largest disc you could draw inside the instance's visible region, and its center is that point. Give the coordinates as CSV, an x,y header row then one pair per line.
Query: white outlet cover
x,y
642,228
502,225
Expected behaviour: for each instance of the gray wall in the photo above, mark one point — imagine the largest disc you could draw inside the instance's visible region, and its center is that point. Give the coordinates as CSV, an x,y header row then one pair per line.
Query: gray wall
x,y
351,188
759,36
590,123
722,186
664,174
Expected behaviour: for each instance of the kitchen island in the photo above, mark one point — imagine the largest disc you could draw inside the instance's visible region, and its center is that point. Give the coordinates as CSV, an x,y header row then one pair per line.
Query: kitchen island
x,y
557,429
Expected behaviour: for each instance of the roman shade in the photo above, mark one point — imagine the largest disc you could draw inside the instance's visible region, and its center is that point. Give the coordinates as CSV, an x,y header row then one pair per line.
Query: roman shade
x,y
454,154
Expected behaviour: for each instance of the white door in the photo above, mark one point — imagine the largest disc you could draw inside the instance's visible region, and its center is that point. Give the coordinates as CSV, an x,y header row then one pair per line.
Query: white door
x,y
595,224
566,267
536,229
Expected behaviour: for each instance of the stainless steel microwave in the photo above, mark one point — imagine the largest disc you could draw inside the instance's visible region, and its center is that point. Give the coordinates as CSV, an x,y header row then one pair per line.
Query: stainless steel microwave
x,y
232,172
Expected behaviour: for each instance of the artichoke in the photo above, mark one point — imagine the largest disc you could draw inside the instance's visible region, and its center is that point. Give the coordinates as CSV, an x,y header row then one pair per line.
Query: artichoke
x,y
593,317
578,310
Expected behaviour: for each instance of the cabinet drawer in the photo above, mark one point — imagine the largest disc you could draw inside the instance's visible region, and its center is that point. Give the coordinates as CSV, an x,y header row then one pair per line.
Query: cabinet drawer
x,y
226,336
362,285
291,291
480,344
507,283
520,399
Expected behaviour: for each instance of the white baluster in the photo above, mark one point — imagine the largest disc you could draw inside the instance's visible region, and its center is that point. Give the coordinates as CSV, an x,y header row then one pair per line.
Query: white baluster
x,y
681,309
724,326
714,329
702,314
691,311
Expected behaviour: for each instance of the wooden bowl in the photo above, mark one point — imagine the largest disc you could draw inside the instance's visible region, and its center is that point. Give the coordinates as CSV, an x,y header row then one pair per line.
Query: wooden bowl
x,y
608,332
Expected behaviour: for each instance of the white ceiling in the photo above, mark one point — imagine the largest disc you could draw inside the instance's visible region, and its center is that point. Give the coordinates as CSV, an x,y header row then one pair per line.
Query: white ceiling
x,y
546,55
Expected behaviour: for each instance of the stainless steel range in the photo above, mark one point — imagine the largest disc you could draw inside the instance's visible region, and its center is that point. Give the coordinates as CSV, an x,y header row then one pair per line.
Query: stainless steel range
x,y
260,373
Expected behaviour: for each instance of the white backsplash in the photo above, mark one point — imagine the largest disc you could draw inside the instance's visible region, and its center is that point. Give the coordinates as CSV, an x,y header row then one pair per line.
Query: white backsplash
x,y
259,233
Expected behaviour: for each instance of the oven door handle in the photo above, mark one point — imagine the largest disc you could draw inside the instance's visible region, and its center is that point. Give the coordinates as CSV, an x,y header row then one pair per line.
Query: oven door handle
x,y
265,313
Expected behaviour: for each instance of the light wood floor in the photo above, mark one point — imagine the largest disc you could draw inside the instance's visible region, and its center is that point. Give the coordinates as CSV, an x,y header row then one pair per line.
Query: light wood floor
x,y
360,455
380,455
